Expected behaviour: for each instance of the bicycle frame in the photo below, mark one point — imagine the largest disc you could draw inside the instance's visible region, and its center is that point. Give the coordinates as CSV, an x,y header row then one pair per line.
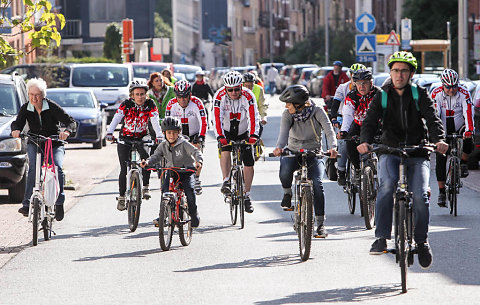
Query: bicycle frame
x,y
37,188
301,182
176,194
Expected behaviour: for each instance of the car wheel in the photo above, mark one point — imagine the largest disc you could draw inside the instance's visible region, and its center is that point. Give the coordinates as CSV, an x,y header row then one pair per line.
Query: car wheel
x,y
104,142
98,144
16,193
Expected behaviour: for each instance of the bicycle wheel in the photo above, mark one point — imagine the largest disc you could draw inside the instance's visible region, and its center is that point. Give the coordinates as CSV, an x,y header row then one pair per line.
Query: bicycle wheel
x,y
36,221
134,201
368,196
165,224
351,187
233,200
241,198
306,223
47,224
185,228
403,244
453,186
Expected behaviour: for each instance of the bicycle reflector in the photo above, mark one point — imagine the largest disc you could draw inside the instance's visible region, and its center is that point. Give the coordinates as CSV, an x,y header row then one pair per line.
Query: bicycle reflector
x,y
302,150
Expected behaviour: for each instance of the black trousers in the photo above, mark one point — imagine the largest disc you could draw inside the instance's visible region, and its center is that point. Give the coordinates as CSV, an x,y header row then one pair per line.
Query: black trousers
x,y
123,156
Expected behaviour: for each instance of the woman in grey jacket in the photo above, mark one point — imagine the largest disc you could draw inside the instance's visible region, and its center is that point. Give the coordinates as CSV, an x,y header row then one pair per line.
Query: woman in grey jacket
x,y
301,127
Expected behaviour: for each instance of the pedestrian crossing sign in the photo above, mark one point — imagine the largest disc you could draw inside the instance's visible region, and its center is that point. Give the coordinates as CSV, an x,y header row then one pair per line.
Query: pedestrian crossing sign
x,y
366,44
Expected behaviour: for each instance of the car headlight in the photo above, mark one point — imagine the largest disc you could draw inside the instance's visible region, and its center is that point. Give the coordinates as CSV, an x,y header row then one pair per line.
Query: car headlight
x,y
89,121
11,145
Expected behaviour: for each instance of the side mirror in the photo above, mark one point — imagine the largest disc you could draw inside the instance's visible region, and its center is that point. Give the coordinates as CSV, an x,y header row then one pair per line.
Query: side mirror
x,y
103,105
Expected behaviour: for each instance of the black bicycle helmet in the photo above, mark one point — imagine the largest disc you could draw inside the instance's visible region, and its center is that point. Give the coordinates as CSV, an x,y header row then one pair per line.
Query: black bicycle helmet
x,y
295,94
248,77
171,123
362,74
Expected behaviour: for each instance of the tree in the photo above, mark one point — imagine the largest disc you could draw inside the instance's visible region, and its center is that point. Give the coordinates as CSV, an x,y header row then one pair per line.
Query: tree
x,y
113,41
162,29
164,9
41,31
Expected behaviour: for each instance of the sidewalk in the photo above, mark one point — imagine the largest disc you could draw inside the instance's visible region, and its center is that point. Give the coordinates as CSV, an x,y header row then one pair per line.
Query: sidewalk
x,y
473,180
16,232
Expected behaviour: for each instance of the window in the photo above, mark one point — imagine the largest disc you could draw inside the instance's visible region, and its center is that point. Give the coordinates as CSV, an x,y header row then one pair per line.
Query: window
x,y
8,100
107,10
100,76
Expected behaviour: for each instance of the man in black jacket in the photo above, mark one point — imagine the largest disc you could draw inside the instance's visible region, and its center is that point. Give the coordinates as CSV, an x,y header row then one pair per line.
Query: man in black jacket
x,y
43,117
203,91
402,123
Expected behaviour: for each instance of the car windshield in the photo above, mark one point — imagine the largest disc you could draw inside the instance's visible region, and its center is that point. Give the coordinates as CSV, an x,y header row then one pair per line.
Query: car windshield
x,y
8,100
144,71
100,76
72,99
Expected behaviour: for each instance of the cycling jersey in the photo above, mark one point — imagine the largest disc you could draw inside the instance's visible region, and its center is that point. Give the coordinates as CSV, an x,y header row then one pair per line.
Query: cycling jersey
x,y
340,95
235,116
135,119
193,118
355,107
458,107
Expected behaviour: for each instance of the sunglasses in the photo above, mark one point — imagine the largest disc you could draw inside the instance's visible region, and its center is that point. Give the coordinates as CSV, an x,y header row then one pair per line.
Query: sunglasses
x,y
234,89
450,87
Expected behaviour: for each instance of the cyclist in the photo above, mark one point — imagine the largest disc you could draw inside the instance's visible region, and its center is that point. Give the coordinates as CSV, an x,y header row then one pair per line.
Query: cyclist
x,y
337,119
168,75
190,111
301,127
161,91
355,110
203,91
178,152
236,118
135,113
402,123
249,82
331,82
454,106
43,117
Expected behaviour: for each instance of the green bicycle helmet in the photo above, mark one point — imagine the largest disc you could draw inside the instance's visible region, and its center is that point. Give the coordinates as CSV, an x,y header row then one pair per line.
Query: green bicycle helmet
x,y
402,56
355,67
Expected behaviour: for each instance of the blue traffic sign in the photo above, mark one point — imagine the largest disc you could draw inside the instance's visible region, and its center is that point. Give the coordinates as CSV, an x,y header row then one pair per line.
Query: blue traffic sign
x,y
366,44
366,58
365,23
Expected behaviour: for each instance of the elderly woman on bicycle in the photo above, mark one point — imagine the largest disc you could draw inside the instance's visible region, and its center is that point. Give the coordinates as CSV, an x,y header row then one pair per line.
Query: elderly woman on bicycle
x,y
301,127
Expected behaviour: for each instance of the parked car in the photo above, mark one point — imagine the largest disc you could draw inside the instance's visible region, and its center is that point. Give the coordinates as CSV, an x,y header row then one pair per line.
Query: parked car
x,y
379,79
55,75
109,82
13,151
244,69
144,69
264,68
316,84
305,76
87,111
296,71
282,78
188,70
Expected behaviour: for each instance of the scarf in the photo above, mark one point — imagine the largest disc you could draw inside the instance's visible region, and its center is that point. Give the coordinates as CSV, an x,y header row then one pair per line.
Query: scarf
x,y
303,115
159,94
200,82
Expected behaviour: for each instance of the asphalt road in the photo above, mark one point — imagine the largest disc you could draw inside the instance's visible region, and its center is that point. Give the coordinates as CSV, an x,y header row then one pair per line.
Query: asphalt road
x,y
95,259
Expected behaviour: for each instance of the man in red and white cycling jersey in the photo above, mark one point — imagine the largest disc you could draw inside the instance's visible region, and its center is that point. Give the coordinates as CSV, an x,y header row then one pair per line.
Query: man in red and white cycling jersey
x,y
454,107
190,111
236,118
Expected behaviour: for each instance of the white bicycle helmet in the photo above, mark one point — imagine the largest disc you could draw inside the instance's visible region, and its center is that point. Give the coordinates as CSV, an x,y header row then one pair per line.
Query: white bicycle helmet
x,y
138,84
232,79
449,77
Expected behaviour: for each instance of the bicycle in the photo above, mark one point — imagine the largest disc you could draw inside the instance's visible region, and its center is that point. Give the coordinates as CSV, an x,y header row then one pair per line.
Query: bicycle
x,y
174,211
352,181
39,213
303,199
368,189
403,209
235,198
133,195
453,183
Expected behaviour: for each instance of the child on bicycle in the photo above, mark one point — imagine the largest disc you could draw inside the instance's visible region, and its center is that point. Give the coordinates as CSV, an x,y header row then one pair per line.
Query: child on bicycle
x,y
178,152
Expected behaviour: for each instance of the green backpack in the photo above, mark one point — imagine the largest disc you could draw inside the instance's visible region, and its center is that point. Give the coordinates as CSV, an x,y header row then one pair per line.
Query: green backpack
x,y
385,98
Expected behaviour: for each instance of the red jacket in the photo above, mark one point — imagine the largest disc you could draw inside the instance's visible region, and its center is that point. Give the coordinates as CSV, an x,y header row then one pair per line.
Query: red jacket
x,y
329,86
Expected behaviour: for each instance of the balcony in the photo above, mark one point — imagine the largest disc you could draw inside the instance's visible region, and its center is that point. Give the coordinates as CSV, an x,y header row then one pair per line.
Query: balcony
x,y
249,29
72,29
264,19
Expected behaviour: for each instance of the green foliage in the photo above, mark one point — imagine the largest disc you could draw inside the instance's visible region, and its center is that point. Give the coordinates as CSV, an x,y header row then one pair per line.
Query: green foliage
x,y
112,47
164,8
162,29
82,60
42,33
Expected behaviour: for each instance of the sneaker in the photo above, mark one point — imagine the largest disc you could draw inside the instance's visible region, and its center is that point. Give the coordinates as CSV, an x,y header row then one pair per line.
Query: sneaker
x,y
195,220
121,203
197,187
146,193
225,187
424,255
463,170
321,232
59,213
248,205
155,222
341,180
442,200
287,202
23,210
379,246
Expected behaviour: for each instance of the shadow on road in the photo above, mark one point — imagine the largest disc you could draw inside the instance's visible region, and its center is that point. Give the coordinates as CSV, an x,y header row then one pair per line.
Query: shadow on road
x,y
359,294
102,231
120,255
269,261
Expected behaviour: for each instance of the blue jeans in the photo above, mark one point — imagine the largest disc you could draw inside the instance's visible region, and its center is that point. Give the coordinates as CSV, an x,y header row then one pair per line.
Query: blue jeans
x,y
271,87
342,150
187,181
418,175
316,168
58,154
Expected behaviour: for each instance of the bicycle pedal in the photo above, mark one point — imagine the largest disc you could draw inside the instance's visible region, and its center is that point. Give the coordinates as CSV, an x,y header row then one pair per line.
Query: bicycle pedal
x,y
391,251
287,209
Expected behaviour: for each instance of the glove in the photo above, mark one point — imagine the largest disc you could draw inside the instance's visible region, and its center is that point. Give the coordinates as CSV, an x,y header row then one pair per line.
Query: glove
x,y
222,141
158,140
110,137
343,134
467,134
252,139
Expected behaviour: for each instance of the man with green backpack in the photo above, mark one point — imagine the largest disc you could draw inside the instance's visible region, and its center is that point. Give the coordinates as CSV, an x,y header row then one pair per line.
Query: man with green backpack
x,y
407,116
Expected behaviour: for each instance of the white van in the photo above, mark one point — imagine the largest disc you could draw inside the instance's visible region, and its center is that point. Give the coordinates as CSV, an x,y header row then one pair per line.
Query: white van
x,y
109,82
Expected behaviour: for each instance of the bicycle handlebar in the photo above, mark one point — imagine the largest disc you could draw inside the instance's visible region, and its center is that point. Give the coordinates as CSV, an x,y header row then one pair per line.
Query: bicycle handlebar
x,y
454,136
133,142
309,153
403,150
39,138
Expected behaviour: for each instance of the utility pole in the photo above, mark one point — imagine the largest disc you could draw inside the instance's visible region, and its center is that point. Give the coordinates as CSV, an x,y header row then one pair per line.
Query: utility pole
x,y
327,41
449,50
462,39
271,12
399,12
